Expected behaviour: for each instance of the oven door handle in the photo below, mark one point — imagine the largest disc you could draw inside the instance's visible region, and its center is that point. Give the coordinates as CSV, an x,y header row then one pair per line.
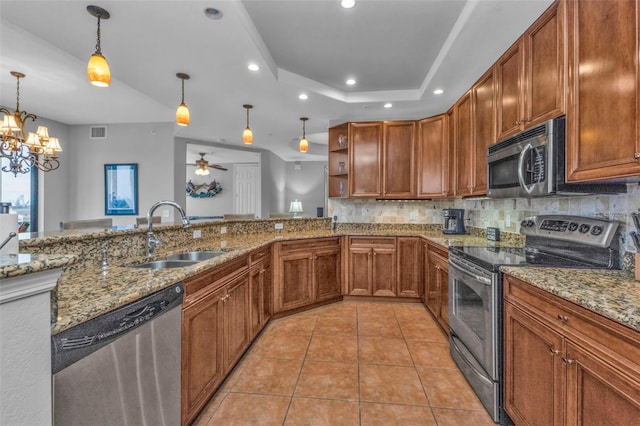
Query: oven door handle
x,y
528,147
478,278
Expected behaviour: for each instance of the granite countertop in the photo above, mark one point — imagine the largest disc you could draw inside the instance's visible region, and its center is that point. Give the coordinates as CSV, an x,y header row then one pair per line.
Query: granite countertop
x,y
12,265
612,293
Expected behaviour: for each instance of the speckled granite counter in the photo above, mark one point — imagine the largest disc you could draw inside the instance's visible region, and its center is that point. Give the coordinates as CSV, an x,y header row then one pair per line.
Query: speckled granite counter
x,y
22,264
613,294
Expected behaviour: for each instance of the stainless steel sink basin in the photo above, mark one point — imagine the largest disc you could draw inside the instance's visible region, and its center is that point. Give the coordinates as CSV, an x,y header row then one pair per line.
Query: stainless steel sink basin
x,y
195,255
163,264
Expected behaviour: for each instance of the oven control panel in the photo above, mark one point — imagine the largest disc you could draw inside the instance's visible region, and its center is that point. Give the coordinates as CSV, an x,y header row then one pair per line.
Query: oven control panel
x,y
586,230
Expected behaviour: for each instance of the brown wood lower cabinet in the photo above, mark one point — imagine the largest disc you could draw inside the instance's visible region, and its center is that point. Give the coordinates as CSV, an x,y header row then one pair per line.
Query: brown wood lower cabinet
x,y
436,283
308,271
565,364
409,267
372,266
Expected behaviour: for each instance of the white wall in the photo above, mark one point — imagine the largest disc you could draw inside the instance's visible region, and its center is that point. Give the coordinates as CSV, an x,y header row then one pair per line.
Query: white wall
x,y
150,145
217,205
306,185
273,184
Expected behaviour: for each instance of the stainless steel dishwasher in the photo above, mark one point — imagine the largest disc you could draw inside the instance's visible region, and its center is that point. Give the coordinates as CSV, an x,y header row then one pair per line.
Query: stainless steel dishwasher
x,y
123,367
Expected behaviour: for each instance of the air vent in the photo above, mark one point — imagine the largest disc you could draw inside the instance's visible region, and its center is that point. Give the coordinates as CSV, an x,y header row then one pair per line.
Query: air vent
x,y
98,132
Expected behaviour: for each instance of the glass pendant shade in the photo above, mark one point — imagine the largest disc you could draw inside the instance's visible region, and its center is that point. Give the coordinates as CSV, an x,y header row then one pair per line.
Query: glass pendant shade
x,y
98,71
182,115
247,136
304,145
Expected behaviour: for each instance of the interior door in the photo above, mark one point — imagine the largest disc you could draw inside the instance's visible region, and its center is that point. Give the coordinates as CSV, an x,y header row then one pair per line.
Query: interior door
x,y
247,189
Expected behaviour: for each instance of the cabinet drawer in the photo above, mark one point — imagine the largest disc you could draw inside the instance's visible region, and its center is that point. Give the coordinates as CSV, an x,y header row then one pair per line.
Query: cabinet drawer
x,y
308,245
260,255
214,277
438,250
609,338
382,242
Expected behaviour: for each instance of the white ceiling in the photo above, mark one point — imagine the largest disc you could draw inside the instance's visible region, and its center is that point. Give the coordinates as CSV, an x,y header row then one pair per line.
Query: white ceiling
x,y
398,50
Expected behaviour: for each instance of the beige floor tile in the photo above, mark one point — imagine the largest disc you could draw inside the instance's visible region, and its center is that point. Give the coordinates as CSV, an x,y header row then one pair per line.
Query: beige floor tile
x,y
381,329
331,380
211,407
333,349
342,310
431,354
447,388
294,325
395,415
391,384
250,409
268,376
383,351
320,412
446,417
423,330
376,312
334,326
281,347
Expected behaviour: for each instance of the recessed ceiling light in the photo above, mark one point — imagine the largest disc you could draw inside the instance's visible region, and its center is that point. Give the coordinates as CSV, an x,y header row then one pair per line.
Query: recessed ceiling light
x,y
351,82
388,105
438,92
213,13
253,67
348,4
303,96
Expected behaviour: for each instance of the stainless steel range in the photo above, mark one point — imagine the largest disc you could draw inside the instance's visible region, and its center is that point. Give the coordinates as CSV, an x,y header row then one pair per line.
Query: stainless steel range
x,y
475,290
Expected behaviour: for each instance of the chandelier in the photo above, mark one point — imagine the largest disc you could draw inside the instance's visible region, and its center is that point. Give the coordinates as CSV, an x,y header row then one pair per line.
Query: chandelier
x,y
26,150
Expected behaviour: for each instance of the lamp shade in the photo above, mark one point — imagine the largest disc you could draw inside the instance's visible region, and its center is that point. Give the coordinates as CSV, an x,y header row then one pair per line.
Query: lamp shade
x,y
182,115
98,71
296,207
304,145
247,136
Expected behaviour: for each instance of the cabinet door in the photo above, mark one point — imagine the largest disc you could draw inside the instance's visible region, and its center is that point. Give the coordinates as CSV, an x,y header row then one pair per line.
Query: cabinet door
x,y
433,157
364,154
267,293
431,293
443,297
236,319
463,146
384,272
327,272
398,159
599,393
532,370
603,139
484,116
256,297
295,281
202,353
544,67
509,75
360,271
409,267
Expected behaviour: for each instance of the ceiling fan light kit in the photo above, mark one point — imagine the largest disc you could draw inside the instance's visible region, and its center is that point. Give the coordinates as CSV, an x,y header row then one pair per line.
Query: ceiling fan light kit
x,y
203,166
247,135
304,143
182,113
98,69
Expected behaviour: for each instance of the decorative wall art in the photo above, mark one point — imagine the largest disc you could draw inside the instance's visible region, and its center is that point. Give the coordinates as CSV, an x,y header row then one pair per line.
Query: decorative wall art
x,y
203,190
120,189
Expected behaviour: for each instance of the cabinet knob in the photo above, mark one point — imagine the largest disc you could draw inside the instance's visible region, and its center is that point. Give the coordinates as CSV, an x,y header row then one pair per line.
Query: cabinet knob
x,y
554,351
637,155
563,318
567,360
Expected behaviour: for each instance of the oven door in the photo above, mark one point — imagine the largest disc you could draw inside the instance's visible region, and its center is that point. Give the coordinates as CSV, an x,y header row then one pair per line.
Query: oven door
x,y
473,304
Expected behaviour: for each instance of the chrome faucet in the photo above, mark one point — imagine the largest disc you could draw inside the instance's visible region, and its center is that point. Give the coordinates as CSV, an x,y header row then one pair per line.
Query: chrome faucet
x,y
6,240
152,240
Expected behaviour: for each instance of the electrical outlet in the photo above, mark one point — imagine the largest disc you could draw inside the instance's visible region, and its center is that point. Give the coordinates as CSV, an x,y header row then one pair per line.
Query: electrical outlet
x,y
165,213
223,230
279,226
507,220
413,215
223,244
197,233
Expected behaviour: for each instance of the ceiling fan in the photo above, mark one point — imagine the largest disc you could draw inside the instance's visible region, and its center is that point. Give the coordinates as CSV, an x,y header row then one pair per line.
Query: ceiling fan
x,y
203,164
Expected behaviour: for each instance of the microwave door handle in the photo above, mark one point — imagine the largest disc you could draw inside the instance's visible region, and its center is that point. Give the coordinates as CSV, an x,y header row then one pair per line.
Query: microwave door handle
x,y
523,155
478,278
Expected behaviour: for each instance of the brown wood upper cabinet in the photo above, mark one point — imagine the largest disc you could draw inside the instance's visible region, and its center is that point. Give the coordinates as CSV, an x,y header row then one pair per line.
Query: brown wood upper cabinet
x,y
483,99
433,157
463,168
530,75
603,120
365,146
339,161
398,159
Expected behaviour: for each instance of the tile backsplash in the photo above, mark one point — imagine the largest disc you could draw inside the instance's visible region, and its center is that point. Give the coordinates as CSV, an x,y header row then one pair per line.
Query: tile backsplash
x,y
505,214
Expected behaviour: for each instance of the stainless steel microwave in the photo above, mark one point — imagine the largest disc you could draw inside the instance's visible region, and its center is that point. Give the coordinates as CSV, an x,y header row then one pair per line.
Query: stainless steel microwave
x,y
532,164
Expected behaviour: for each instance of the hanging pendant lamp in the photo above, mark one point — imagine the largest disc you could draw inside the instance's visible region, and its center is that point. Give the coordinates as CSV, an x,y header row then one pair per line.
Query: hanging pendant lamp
x,y
247,135
182,113
304,143
98,69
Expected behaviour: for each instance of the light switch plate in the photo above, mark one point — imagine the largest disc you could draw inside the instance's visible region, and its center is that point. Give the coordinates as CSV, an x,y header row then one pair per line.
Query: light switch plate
x,y
197,233
279,226
223,229
165,213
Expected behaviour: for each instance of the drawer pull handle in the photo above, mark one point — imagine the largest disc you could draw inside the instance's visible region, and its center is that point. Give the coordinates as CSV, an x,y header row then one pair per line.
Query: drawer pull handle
x,y
567,360
554,351
563,318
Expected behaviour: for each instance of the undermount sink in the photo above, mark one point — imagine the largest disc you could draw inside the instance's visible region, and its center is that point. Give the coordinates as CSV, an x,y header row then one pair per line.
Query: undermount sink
x,y
164,264
195,255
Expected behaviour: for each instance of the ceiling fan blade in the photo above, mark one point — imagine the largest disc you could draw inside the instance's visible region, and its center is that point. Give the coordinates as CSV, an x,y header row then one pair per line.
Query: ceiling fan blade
x,y
217,166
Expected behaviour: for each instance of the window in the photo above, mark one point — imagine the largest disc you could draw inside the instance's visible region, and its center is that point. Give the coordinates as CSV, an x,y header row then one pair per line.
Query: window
x,y
22,192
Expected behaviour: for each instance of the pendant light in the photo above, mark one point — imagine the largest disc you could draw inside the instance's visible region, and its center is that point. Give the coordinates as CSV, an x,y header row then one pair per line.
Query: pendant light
x,y
98,69
182,113
304,143
247,135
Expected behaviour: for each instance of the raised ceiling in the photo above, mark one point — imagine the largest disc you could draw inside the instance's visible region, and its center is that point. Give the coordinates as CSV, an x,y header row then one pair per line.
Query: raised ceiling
x,y
399,51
